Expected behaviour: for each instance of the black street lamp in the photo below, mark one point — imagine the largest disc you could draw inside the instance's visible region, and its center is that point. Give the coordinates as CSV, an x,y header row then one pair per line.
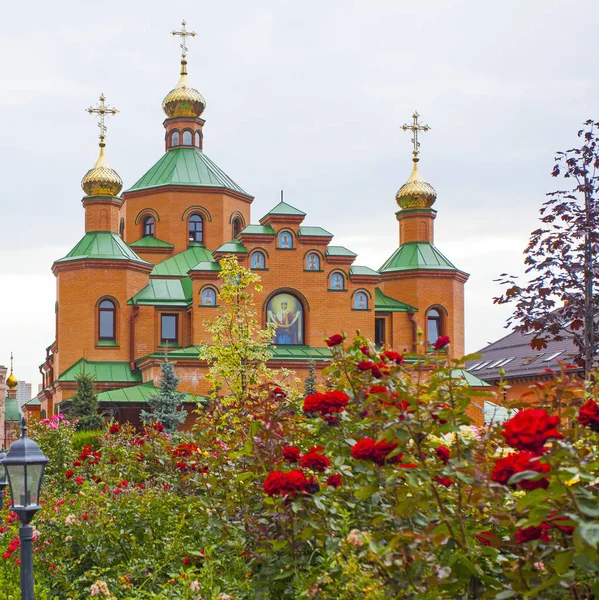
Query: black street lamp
x,y
3,478
25,464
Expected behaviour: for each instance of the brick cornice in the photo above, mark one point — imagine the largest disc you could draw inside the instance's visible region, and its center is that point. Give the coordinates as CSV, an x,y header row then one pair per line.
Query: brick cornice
x,y
91,263
192,189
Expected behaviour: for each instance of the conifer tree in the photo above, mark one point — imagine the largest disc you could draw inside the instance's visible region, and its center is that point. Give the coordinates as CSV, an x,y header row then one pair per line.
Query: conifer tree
x,y
85,404
166,405
310,381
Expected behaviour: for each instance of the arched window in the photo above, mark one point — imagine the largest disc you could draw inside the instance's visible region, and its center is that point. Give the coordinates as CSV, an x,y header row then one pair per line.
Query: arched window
x,y
258,260
433,325
360,301
175,138
187,138
337,282
287,313
285,240
236,227
312,262
149,224
197,139
106,320
196,228
208,297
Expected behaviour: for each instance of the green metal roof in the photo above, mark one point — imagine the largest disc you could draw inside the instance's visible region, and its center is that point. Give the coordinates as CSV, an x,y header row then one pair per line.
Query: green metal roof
x,y
259,230
314,232
33,402
186,166
468,378
103,371
149,241
282,208
11,410
103,245
180,264
136,394
301,353
233,248
174,292
339,251
363,271
207,266
417,255
388,304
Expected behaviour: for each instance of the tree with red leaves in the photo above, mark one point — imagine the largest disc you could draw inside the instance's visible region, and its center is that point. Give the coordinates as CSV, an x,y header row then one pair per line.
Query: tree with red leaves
x,y
563,259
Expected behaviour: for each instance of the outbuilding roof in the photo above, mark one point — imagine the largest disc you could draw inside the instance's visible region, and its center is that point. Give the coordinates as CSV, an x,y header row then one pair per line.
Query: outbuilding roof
x,y
103,371
137,394
180,264
172,292
101,245
417,256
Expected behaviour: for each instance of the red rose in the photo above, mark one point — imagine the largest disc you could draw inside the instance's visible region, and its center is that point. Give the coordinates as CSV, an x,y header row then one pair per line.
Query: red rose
x,y
278,483
291,453
115,428
326,404
554,521
446,481
159,427
186,561
529,534
313,460
589,415
69,474
362,450
368,449
334,340
407,465
377,389
530,429
443,453
79,480
393,356
518,462
365,365
486,538
335,481
441,342
84,516
365,350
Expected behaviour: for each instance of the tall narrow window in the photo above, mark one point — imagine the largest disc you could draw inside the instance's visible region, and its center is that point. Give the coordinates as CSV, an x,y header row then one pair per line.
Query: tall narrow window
x,y
236,227
337,282
149,225
433,321
175,138
196,229
197,139
187,138
379,331
106,320
168,328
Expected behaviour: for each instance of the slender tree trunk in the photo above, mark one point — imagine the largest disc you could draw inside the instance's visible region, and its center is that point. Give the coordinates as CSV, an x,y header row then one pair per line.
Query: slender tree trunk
x,y
589,318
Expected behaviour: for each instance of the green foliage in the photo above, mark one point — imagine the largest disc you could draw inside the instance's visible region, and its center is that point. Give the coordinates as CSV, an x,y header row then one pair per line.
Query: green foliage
x,y
85,404
87,438
310,381
166,405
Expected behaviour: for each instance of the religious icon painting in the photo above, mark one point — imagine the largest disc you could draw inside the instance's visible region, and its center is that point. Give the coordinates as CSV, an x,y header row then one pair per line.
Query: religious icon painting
x,y
286,312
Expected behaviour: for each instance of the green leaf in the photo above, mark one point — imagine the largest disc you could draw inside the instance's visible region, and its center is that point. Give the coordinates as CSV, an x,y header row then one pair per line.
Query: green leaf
x,y
589,533
505,594
365,492
522,476
563,560
589,507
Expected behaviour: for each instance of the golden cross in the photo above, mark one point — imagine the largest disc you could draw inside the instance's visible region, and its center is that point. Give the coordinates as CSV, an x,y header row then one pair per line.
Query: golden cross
x,y
415,127
184,34
102,110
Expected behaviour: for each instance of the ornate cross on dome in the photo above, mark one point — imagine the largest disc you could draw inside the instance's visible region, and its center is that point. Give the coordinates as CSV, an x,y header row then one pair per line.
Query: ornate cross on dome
x,y
415,127
102,110
184,34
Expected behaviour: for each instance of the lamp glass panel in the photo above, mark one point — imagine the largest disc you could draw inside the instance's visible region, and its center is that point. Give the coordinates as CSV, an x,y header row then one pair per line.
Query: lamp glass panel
x,y
16,474
3,475
34,481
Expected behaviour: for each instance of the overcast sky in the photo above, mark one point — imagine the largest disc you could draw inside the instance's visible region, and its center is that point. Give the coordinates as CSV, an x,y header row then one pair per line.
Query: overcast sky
x,y
305,96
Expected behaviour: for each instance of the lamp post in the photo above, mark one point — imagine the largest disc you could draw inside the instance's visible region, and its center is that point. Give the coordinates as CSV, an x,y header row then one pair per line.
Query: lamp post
x,y
3,480
24,465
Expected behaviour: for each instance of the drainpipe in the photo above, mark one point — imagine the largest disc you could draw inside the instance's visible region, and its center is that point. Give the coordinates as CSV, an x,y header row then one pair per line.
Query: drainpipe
x,y
414,331
132,318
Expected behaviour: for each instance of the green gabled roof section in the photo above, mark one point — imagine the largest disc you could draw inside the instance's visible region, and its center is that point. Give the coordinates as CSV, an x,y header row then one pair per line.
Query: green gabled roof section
x,y
233,247
282,208
385,303
173,292
103,371
149,241
259,230
11,410
301,353
414,256
33,402
180,264
468,378
207,266
101,245
188,167
314,232
356,270
339,251
137,394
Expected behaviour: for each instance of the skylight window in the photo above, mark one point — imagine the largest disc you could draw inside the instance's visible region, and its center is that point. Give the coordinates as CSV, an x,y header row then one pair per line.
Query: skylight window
x,y
482,365
550,358
507,360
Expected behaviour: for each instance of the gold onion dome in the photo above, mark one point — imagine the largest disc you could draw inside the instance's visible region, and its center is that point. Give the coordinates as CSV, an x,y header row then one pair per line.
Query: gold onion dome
x,y
183,101
11,381
102,180
416,193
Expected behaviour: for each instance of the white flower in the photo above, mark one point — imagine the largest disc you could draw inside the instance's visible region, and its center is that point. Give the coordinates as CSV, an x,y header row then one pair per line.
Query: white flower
x,y
355,538
194,586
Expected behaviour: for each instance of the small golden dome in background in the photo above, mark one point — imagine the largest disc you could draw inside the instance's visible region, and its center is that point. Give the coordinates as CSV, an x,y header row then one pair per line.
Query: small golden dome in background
x,y
183,101
416,193
11,381
102,180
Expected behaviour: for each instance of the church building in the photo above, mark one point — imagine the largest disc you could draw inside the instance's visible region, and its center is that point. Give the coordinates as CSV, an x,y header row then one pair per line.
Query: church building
x,y
144,276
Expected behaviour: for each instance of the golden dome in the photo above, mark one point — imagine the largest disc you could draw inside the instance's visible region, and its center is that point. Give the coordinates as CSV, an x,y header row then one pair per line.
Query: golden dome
x,y
183,101
101,180
11,381
416,193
